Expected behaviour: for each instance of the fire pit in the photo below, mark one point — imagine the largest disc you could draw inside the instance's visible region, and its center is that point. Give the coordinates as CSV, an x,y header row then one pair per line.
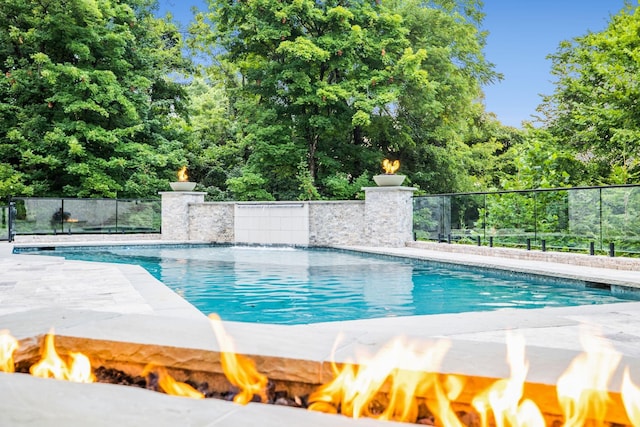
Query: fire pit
x,y
403,382
183,183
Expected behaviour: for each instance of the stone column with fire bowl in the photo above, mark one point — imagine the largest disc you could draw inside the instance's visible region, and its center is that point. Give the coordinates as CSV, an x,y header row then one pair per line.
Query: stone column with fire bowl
x,y
388,208
389,178
175,207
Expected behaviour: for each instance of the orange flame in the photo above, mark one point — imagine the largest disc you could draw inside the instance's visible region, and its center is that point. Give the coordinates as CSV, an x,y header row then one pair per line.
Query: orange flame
x,y
182,174
390,167
631,398
169,385
407,371
504,397
51,364
582,388
240,371
8,346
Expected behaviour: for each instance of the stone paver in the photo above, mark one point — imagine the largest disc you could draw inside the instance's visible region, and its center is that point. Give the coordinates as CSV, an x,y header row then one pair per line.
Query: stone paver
x,y
125,304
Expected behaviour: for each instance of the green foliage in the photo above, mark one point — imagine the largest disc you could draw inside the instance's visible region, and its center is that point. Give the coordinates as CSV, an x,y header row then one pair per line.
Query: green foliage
x,y
86,103
249,186
339,87
343,187
307,185
540,161
593,108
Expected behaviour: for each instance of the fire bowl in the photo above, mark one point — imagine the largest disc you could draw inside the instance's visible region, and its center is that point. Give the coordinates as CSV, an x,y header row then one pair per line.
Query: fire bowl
x,y
389,180
182,185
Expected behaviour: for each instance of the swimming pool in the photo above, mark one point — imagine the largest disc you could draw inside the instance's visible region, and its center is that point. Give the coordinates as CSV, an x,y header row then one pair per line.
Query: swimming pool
x,y
285,285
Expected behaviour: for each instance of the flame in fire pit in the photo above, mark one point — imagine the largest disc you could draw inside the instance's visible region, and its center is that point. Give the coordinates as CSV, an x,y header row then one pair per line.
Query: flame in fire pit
x,y
169,385
182,174
239,370
51,364
8,345
631,398
390,167
582,389
503,397
404,369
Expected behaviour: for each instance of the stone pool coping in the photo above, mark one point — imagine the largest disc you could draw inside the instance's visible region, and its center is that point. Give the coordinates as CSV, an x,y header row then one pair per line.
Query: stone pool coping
x,y
124,303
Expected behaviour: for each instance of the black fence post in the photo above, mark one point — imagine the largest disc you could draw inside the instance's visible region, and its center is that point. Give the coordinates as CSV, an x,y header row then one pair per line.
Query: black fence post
x,y
592,248
490,241
13,211
544,245
528,244
478,241
116,215
612,249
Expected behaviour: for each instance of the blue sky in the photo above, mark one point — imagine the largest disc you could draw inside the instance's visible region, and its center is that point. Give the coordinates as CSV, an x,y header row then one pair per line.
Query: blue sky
x,y
521,35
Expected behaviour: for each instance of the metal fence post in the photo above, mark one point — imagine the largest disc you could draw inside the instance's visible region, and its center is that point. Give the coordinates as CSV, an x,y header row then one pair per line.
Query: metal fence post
x,y
116,215
13,211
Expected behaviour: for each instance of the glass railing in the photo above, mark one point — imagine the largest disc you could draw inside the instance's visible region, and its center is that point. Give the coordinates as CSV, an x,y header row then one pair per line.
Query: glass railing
x,y
587,219
89,216
4,222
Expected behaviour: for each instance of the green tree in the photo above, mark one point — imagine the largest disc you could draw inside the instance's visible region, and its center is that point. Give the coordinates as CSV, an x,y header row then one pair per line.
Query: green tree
x,y
87,105
594,106
437,125
340,85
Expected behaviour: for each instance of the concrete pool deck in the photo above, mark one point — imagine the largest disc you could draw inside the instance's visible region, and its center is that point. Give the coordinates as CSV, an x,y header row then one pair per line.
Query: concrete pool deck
x,y
123,303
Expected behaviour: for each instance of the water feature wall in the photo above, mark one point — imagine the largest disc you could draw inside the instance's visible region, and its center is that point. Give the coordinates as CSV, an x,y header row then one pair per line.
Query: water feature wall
x,y
384,218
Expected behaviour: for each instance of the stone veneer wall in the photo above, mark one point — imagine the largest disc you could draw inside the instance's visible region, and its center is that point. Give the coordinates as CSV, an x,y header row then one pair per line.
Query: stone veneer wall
x,y
212,222
388,216
175,213
336,223
384,218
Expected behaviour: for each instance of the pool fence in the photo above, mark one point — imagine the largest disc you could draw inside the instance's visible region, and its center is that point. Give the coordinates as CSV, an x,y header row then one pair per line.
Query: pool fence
x,y
604,220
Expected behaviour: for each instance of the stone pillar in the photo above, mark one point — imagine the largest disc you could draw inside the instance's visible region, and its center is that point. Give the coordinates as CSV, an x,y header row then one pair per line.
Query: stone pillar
x,y
388,216
175,213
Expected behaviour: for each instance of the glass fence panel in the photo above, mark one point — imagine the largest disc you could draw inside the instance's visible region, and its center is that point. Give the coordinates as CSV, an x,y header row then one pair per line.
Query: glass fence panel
x,y
139,216
89,216
552,220
94,216
429,219
621,218
39,216
584,219
510,218
4,222
465,217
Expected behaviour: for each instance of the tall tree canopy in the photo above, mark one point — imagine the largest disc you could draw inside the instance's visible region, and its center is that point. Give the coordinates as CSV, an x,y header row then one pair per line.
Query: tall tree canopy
x,y
329,88
594,108
86,100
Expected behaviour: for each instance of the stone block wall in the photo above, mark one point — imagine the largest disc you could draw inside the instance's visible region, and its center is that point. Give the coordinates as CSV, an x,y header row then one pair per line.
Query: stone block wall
x,y
175,213
212,222
336,223
388,216
384,218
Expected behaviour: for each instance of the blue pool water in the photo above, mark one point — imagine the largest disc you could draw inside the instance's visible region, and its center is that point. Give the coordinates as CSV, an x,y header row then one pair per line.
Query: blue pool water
x,y
296,286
